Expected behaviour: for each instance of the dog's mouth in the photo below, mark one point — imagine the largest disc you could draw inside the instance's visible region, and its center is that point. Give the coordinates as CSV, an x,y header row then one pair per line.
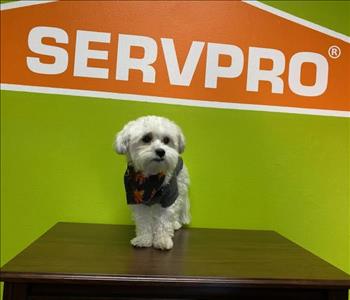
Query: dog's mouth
x,y
158,159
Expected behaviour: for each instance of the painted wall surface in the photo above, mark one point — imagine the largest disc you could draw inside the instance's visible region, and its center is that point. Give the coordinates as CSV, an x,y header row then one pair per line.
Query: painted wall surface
x,y
249,169
333,15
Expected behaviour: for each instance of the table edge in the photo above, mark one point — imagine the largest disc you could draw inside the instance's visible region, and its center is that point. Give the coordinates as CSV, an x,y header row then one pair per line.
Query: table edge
x,y
173,280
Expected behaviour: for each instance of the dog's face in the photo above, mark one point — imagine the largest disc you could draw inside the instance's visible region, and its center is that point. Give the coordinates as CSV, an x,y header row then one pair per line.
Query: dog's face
x,y
152,144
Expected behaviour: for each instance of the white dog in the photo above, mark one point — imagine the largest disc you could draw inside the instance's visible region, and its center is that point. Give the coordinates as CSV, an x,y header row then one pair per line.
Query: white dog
x,y
156,180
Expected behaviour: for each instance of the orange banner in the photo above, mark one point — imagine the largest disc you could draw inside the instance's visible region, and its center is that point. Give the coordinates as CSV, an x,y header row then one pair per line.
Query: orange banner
x,y
225,51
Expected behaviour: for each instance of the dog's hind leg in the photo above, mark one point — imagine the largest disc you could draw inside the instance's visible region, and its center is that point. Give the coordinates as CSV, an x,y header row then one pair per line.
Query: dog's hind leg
x,y
185,216
183,181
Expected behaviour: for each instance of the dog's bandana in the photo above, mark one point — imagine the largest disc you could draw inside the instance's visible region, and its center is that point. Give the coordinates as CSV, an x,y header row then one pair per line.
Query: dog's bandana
x,y
149,190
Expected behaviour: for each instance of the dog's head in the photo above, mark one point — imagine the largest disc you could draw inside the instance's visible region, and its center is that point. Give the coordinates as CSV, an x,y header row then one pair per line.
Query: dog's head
x,y
152,144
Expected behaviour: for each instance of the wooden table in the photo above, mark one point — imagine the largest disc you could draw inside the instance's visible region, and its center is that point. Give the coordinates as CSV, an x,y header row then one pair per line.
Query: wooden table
x,y
87,261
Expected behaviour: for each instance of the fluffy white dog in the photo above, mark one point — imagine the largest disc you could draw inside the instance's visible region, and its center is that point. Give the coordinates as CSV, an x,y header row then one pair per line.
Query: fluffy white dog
x,y
156,180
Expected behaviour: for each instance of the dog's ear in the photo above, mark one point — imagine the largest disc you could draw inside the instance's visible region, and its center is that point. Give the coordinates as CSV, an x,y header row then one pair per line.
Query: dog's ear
x,y
122,139
181,141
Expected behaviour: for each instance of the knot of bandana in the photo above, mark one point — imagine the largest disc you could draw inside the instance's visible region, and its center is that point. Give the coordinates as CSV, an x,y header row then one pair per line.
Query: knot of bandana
x,y
149,190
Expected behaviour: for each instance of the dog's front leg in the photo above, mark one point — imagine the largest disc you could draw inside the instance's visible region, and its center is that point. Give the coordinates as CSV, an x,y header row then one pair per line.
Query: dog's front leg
x,y
143,221
163,229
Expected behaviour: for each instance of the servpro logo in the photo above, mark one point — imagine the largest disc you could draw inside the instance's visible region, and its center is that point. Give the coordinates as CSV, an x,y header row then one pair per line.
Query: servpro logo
x,y
241,57
177,76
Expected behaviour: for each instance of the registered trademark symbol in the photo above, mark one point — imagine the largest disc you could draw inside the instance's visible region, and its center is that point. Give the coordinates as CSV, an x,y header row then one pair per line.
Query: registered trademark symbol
x,y
334,51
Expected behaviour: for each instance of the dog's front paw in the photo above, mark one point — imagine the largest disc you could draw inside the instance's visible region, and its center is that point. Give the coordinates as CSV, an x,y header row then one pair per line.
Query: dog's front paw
x,y
142,241
163,242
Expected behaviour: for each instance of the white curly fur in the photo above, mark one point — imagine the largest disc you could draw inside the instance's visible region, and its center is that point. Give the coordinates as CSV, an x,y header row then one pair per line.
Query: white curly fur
x,y
155,225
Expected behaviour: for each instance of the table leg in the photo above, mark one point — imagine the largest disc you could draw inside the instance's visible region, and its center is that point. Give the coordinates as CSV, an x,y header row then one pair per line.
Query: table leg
x,y
15,291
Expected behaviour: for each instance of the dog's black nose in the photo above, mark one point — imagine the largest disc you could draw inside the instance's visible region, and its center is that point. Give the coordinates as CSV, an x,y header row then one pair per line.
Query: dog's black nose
x,y
160,152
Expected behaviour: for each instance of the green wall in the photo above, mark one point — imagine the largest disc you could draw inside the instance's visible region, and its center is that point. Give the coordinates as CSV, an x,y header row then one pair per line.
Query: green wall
x,y
334,15
252,170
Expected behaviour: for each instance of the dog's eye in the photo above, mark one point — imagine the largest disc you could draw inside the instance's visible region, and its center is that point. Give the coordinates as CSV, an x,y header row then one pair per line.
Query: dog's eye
x,y
166,140
147,138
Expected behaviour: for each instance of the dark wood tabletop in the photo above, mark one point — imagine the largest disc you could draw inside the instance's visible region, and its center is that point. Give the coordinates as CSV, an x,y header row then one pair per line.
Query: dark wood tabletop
x,y
73,253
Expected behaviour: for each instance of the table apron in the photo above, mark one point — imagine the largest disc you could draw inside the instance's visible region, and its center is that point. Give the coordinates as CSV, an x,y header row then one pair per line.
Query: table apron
x,y
41,291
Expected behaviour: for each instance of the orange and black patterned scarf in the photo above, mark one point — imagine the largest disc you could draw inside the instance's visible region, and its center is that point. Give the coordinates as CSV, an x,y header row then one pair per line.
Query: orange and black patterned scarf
x,y
149,190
